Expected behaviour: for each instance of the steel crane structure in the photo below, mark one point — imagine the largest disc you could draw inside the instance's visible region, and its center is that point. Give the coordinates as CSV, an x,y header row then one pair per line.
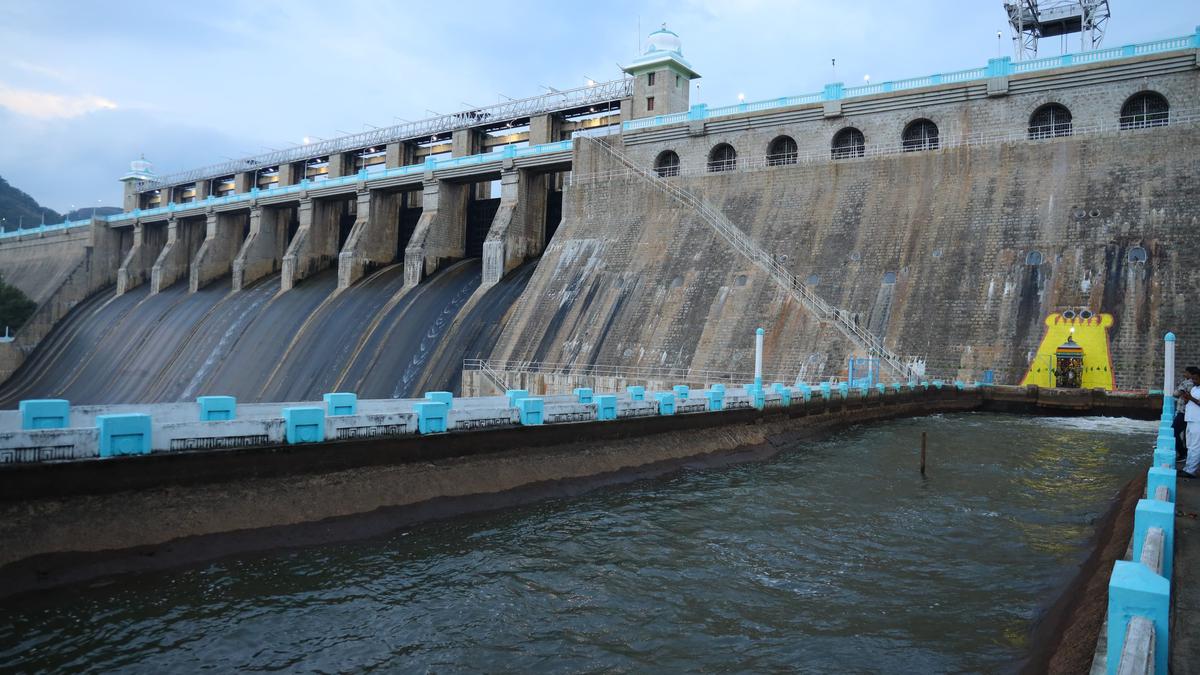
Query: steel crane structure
x,y
1031,20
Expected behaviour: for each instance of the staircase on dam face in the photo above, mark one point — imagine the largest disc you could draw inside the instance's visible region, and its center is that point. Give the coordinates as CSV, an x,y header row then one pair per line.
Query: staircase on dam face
x,y
825,312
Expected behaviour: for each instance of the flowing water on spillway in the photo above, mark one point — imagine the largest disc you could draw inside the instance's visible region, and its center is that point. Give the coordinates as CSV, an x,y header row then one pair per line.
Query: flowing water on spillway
x,y
833,556
261,345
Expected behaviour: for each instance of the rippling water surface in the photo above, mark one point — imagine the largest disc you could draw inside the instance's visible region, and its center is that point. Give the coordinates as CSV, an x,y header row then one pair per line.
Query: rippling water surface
x,y
832,556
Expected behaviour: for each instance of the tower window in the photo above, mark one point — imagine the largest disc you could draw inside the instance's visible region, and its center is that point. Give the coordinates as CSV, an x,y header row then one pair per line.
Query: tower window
x,y
920,135
1145,109
649,103
667,164
781,151
1050,121
722,158
650,79
849,142
678,81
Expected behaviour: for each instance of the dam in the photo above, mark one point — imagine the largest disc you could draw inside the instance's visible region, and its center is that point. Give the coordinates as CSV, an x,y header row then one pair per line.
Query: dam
x,y
417,345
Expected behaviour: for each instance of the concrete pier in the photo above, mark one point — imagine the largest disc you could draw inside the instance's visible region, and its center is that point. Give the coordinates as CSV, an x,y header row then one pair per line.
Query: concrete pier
x,y
262,252
314,247
373,239
440,235
223,238
148,242
184,238
518,232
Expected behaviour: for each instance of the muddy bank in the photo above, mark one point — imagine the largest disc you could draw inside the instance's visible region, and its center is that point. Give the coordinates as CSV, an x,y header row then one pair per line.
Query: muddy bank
x,y
1064,641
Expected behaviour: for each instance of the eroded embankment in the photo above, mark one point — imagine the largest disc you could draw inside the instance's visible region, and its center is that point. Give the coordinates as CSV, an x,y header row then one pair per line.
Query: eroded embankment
x,y
69,522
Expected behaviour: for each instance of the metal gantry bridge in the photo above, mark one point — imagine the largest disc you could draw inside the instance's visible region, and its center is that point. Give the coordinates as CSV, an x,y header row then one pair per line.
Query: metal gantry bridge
x,y
569,102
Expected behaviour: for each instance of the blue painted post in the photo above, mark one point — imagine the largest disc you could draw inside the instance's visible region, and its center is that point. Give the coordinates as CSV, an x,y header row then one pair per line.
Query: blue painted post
x,y
532,411
832,91
441,397
785,394
935,79
716,399
937,384
698,112
758,397
850,370
666,403
999,67
681,391
45,413
583,394
844,390
1153,513
217,408
1134,590
826,390
959,385
124,434
606,407
1128,50
1169,372
341,403
514,394
806,391
882,388
896,387
1159,476
1164,458
718,387
636,393
431,417
304,424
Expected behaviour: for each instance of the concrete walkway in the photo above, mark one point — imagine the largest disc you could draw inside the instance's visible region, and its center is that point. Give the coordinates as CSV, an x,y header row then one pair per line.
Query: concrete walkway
x,y
1185,606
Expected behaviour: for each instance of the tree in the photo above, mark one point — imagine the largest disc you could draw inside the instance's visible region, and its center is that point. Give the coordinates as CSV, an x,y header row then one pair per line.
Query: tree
x,y
15,307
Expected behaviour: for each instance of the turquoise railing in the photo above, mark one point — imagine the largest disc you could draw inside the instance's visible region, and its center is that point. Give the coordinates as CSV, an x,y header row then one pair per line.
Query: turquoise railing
x,y
995,68
430,164
41,229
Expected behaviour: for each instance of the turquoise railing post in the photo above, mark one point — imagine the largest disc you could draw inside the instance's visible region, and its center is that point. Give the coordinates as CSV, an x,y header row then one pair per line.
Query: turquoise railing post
x,y
304,424
1066,60
510,150
441,397
1128,50
681,391
606,407
431,417
217,408
935,78
341,403
698,111
584,395
999,67
666,403
515,394
716,399
1160,476
48,413
833,91
532,411
1135,590
1154,513
636,393
124,434
1196,38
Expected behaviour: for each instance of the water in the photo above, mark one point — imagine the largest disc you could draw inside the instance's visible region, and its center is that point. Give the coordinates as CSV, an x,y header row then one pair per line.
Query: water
x,y
833,556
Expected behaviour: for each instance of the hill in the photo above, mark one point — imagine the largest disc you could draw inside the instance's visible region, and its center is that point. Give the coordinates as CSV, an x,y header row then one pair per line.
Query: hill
x,y
16,206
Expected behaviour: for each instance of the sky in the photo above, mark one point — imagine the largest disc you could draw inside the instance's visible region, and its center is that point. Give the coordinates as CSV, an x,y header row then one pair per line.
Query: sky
x,y
86,86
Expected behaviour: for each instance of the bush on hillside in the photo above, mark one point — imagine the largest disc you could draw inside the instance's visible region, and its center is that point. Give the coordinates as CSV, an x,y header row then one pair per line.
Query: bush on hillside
x,y
15,307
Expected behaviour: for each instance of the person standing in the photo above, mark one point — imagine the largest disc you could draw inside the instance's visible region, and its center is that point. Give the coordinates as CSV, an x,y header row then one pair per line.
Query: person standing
x,y
1191,415
1179,425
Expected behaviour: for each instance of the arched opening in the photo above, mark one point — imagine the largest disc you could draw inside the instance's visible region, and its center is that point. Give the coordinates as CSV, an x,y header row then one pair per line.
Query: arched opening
x,y
667,164
849,142
920,135
1145,109
1050,121
781,151
1033,258
722,158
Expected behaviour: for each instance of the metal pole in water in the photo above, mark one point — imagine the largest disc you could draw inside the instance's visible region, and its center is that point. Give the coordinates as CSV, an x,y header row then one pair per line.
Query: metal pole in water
x,y
922,453
758,347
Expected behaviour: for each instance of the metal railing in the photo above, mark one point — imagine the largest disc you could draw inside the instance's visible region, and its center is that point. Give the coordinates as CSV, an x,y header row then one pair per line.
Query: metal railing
x,y
492,368
945,142
430,164
555,101
1000,67
824,311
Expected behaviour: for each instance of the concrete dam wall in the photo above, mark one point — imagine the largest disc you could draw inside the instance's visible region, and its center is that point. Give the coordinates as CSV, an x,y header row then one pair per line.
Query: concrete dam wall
x,y
954,255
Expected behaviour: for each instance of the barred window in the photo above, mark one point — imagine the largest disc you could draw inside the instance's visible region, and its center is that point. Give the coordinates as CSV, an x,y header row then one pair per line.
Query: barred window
x,y
1145,109
1050,121
920,135
782,151
722,158
848,142
667,164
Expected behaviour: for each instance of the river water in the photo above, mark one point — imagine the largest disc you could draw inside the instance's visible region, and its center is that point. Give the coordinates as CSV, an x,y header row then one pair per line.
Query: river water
x,y
831,556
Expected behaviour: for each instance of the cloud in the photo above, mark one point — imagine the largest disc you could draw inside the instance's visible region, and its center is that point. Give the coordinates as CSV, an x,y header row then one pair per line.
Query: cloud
x,y
47,106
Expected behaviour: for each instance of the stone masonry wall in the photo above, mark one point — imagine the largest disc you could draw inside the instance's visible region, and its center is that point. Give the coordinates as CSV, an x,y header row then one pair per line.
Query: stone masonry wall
x,y
633,279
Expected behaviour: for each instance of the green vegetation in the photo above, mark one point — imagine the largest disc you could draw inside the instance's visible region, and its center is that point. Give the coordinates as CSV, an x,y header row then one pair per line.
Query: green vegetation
x,y
15,205
15,307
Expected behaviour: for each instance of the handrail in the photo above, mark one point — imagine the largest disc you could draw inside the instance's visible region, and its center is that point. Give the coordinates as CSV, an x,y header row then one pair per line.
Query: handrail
x,y
744,245
607,370
535,105
41,229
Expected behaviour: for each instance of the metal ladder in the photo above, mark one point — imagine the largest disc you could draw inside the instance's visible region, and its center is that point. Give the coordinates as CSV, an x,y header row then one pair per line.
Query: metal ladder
x,y
824,311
